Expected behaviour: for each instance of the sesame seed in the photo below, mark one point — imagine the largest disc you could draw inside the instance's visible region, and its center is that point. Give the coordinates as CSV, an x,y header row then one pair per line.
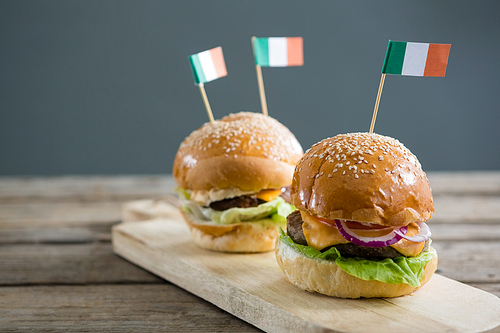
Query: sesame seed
x,y
334,170
356,176
381,158
347,163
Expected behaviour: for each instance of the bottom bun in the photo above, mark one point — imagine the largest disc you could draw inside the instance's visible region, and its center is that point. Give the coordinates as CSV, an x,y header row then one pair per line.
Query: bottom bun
x,y
245,237
325,277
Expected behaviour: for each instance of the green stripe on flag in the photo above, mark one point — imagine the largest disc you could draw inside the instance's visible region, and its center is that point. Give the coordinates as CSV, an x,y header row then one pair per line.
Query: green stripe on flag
x,y
261,49
199,76
393,63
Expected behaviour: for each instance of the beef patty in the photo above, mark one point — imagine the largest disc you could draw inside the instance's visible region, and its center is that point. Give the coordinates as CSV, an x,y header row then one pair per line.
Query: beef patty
x,y
246,201
243,201
294,230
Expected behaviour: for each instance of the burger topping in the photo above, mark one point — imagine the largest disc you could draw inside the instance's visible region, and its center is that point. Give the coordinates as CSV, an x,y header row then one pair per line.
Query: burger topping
x,y
320,235
243,201
378,237
207,198
423,235
204,198
324,233
269,195
247,201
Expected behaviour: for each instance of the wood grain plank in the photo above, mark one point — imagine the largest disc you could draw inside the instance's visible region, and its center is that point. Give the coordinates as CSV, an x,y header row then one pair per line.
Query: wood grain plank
x,y
465,182
54,235
465,232
94,263
466,209
65,214
468,261
112,308
84,188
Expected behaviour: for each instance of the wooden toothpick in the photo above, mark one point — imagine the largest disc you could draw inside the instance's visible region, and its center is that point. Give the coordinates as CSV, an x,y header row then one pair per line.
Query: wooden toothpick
x,y
205,100
375,110
260,81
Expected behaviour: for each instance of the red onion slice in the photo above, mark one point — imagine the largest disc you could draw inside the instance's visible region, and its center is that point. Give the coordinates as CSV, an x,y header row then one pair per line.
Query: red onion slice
x,y
391,238
423,235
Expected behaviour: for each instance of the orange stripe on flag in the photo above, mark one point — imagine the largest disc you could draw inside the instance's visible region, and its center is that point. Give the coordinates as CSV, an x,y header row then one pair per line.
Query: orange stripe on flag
x,y
218,59
295,51
437,59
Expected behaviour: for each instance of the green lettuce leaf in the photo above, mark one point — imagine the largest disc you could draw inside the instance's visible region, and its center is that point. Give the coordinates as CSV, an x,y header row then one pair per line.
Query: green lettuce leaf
x,y
403,269
277,209
182,193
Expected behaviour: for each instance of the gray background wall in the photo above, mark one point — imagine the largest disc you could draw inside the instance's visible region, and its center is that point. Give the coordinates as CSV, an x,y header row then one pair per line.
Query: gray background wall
x,y
105,87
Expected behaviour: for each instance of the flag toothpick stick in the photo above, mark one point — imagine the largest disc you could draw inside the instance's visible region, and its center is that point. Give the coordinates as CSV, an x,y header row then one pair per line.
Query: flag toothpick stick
x,y
262,92
260,81
207,66
377,101
207,104
275,52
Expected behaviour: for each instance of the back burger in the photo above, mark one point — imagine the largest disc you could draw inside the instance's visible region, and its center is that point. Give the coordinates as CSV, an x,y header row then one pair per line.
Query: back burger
x,y
233,175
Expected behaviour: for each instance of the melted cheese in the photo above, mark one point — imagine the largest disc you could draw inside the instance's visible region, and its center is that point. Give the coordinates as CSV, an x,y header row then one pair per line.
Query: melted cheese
x,y
320,235
268,195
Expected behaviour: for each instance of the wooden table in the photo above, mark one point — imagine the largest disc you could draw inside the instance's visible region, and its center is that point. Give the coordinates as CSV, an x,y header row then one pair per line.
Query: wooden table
x,y
58,271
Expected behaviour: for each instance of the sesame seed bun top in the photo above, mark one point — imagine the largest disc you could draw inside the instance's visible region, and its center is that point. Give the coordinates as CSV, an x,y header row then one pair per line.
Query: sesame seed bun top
x,y
362,177
248,151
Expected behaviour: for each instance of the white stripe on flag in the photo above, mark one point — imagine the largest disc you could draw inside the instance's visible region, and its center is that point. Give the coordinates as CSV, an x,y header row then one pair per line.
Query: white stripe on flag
x,y
278,54
415,59
208,66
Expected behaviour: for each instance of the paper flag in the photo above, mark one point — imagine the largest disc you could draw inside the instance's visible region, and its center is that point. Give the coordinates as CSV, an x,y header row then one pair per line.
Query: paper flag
x,y
416,59
208,65
279,51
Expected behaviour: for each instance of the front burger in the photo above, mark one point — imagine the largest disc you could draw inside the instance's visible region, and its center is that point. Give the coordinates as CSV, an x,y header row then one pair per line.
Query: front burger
x,y
359,229
233,177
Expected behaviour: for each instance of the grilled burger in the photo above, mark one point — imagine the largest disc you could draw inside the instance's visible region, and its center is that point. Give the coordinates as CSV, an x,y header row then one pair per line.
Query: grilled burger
x,y
234,176
360,229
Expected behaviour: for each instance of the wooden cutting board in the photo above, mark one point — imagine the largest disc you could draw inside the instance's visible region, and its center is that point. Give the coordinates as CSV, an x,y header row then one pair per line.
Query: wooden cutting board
x,y
253,288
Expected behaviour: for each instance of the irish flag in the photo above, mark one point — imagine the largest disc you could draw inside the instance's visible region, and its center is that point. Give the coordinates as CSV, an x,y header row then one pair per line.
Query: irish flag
x,y
278,51
208,65
416,59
